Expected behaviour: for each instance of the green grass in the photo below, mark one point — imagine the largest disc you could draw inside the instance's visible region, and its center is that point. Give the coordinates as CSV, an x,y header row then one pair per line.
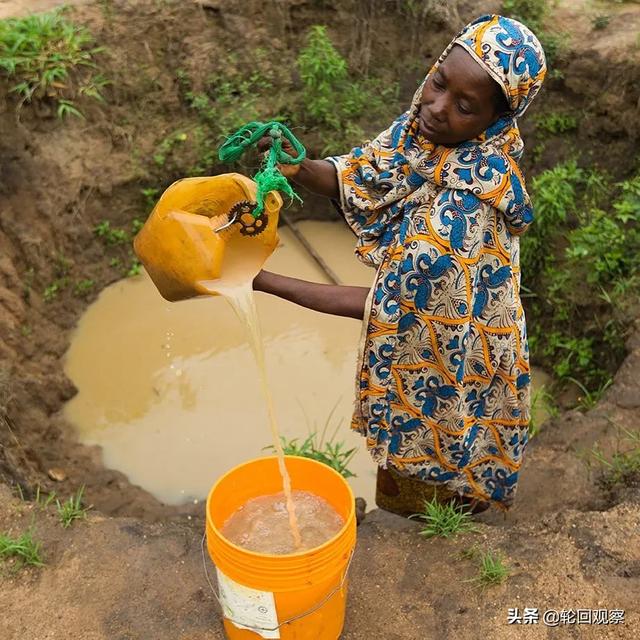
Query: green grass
x,y
44,501
83,288
330,451
24,549
72,509
150,195
444,520
492,569
135,268
333,454
624,464
51,292
50,57
166,146
332,98
589,399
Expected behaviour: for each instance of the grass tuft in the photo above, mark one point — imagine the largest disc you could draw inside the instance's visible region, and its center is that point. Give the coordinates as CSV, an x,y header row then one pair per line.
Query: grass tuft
x,y
444,520
72,509
624,464
24,549
333,454
492,569
50,57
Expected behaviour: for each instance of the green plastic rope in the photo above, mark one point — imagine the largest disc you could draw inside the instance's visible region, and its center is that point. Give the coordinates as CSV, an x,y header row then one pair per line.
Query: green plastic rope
x,y
269,177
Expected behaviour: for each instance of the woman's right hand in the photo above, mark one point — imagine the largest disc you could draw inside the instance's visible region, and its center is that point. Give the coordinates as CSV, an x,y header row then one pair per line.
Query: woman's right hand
x,y
287,170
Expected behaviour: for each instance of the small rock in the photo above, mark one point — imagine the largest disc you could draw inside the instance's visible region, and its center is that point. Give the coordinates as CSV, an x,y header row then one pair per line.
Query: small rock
x,y
57,474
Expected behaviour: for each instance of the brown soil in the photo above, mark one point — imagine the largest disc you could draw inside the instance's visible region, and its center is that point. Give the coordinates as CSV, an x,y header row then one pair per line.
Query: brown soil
x,y
133,570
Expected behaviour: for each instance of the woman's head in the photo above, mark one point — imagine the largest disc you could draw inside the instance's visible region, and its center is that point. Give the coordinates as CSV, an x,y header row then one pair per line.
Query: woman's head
x,y
459,100
493,68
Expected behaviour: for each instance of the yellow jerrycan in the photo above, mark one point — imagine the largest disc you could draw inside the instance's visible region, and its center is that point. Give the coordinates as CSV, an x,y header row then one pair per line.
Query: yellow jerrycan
x,y
203,239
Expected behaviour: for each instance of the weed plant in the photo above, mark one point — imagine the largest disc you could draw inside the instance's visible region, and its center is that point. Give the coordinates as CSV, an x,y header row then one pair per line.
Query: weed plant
x,y
50,57
492,569
557,122
624,464
72,509
333,454
541,401
330,451
581,271
24,549
444,520
44,501
332,98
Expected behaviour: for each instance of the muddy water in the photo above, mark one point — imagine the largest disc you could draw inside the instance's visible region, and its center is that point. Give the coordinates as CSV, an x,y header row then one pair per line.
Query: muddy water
x,y
170,390
262,525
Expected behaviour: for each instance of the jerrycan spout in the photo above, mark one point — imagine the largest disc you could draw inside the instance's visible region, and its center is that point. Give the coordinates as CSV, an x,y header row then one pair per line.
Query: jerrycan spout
x,y
202,238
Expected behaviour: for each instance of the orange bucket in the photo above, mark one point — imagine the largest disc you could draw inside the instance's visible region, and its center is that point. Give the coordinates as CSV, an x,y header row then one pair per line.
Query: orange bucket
x,y
299,596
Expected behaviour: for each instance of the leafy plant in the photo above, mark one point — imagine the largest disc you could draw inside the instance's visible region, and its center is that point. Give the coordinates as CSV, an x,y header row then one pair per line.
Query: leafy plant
x,y
72,509
136,225
83,288
531,12
51,291
110,236
135,268
444,520
557,122
581,273
24,549
49,57
166,146
150,195
332,99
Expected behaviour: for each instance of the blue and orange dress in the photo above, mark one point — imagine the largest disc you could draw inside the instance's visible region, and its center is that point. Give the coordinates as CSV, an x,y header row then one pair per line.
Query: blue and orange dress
x,y
443,383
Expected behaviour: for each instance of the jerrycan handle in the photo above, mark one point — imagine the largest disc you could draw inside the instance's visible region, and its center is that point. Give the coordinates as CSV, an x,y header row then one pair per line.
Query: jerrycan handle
x,y
269,177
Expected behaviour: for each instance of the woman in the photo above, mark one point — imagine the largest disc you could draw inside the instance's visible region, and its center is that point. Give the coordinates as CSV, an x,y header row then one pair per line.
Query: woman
x,y
437,203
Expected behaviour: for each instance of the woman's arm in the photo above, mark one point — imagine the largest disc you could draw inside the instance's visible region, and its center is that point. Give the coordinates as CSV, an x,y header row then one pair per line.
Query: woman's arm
x,y
327,298
318,176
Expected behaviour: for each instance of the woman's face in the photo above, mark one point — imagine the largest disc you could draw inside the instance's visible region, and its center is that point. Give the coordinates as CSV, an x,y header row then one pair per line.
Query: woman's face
x,y
458,101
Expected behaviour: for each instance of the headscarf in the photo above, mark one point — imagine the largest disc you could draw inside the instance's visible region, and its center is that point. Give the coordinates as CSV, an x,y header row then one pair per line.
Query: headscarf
x,y
380,177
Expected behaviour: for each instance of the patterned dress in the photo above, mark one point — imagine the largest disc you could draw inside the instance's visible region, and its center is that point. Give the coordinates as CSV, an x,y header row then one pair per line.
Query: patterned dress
x,y
443,379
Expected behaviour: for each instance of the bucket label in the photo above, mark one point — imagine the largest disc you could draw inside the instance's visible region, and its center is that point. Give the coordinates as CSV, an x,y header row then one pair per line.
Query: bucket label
x,y
248,608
